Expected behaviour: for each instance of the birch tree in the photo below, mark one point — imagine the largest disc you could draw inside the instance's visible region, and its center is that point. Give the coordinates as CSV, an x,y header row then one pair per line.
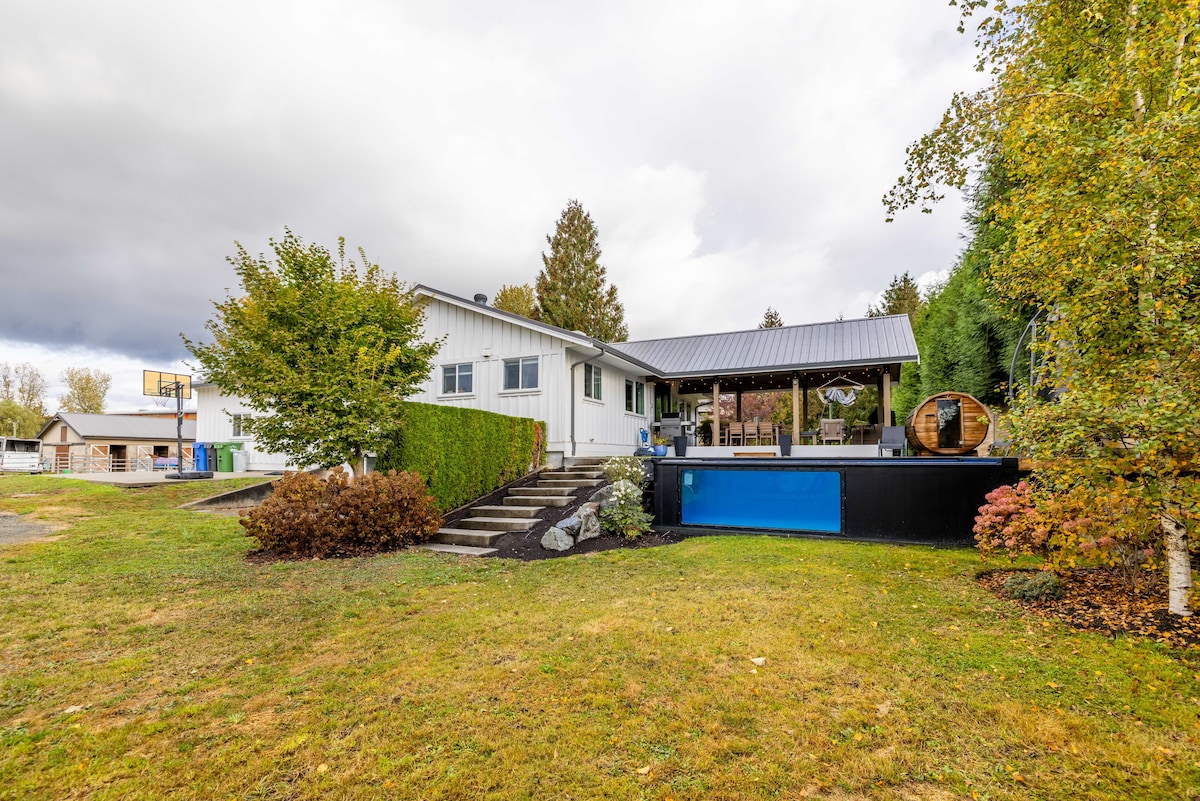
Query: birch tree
x,y
1093,113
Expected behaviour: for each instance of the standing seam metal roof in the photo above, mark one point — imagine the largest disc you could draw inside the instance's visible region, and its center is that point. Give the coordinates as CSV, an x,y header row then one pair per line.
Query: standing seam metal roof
x,y
119,426
841,343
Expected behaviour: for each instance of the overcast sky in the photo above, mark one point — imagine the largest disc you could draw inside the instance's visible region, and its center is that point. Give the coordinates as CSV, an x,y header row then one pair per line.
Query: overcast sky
x,y
732,155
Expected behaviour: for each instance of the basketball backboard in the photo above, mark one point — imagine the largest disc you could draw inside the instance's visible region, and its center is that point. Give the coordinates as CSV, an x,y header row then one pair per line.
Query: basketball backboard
x,y
159,384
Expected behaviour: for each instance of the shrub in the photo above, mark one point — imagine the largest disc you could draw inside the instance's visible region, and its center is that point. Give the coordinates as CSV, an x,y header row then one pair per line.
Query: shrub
x,y
309,516
464,453
1009,521
1038,586
628,521
625,468
626,517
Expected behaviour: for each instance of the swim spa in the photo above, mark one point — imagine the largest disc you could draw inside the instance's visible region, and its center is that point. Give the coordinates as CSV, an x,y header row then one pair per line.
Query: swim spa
x,y
917,500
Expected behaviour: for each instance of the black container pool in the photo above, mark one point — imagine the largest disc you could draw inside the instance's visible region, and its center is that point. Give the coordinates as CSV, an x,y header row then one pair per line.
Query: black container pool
x,y
919,500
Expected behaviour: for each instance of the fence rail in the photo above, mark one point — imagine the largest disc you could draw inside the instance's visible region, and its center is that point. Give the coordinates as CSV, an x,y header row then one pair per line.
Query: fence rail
x,y
84,463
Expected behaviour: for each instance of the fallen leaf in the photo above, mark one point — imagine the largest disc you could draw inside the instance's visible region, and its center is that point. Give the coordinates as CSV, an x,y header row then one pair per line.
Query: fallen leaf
x,y
643,771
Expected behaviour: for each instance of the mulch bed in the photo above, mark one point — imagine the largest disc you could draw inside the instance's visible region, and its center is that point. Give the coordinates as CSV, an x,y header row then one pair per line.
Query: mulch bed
x,y
1098,599
527,545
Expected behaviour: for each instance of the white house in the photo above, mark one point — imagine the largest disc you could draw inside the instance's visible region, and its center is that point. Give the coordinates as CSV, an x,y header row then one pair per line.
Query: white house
x,y
596,397
592,398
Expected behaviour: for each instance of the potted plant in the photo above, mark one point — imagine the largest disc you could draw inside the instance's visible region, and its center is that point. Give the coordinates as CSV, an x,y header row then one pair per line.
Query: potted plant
x,y
660,445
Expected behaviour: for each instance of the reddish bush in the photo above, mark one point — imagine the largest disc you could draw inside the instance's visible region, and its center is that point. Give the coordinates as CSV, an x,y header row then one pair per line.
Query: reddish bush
x,y
309,516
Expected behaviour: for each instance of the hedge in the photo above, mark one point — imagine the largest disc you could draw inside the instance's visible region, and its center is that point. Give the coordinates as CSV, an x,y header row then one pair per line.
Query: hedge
x,y
463,453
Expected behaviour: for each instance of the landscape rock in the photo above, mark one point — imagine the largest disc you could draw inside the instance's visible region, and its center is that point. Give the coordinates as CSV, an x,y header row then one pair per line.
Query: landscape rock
x,y
569,524
557,540
603,496
589,521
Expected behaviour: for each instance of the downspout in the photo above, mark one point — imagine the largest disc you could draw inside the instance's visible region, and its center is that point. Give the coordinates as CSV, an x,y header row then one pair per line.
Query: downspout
x,y
573,366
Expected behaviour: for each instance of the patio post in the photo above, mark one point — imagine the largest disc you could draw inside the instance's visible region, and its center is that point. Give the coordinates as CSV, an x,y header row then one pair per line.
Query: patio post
x,y
716,413
885,398
796,409
805,401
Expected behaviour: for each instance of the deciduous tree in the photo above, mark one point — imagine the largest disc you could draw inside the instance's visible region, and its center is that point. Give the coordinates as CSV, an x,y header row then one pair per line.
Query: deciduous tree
x,y
25,385
324,349
28,422
1094,114
87,390
572,290
518,300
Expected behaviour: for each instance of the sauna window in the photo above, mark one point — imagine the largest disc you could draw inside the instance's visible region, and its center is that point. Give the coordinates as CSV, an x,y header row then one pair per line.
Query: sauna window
x,y
949,419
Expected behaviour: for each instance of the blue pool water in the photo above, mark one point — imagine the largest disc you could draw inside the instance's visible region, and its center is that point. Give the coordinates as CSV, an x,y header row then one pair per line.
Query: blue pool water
x,y
765,499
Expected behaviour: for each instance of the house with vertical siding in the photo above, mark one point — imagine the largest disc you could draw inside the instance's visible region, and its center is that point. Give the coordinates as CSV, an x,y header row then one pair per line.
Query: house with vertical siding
x,y
596,397
592,397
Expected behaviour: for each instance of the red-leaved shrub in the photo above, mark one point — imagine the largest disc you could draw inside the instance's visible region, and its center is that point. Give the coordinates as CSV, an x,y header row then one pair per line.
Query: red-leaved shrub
x,y
309,516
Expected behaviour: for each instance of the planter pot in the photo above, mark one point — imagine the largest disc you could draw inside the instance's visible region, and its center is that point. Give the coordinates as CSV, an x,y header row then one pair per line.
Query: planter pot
x,y
659,450
785,444
680,446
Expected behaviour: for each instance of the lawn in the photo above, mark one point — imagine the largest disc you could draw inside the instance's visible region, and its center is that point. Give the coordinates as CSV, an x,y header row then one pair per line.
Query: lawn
x,y
144,658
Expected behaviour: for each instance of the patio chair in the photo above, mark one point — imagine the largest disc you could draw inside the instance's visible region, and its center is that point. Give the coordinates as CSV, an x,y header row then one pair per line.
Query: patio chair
x,y
893,440
833,431
737,434
766,434
750,433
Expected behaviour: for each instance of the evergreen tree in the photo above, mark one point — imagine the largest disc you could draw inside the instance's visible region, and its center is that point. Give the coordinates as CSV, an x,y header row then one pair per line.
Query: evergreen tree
x,y
901,297
571,288
771,319
517,300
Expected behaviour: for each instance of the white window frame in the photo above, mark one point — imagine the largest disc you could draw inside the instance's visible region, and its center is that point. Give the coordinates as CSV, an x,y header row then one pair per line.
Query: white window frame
x,y
458,379
237,419
593,382
522,362
638,397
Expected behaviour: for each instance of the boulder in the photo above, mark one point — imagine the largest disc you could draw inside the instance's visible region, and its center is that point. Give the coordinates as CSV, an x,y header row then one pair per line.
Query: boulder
x,y
589,521
569,525
557,540
603,496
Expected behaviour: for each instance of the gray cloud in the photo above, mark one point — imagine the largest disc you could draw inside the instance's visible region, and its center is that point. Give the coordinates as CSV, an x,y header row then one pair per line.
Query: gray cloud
x,y
711,142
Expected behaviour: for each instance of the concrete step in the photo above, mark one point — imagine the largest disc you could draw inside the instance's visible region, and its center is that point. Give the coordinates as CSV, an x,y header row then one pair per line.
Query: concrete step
x,y
541,491
578,461
508,510
467,537
572,474
570,482
461,550
538,500
498,523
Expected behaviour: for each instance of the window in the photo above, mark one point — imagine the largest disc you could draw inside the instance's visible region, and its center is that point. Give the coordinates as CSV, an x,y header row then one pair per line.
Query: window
x,y
521,373
238,421
457,378
591,382
635,396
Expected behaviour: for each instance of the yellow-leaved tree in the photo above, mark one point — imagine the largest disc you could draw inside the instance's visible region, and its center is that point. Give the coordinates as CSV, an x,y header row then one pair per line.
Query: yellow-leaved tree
x,y
1093,114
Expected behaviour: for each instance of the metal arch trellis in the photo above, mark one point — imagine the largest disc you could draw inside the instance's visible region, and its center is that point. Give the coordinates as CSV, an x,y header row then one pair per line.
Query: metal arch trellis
x,y
1031,332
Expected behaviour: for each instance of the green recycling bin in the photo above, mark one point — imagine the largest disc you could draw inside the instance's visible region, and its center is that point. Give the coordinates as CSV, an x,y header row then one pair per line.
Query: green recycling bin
x,y
224,456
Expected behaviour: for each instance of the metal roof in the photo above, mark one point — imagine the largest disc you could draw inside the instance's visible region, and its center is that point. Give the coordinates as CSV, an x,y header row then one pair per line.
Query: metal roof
x,y
122,426
841,343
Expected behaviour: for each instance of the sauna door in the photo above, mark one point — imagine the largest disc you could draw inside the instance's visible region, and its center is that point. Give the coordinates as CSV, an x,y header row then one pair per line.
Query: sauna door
x,y
949,416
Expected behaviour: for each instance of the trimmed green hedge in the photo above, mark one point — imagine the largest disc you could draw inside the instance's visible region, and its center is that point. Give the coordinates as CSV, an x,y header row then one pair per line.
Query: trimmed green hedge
x,y
464,453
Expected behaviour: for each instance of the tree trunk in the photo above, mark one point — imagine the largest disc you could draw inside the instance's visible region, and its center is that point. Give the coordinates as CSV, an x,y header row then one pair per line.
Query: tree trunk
x,y
1179,563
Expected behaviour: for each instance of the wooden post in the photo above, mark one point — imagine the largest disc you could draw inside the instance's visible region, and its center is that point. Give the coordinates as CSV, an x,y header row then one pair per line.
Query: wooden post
x,y
716,414
885,399
796,410
805,402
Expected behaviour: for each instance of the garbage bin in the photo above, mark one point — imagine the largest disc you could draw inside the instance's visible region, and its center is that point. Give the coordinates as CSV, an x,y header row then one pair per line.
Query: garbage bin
x,y
224,456
241,459
200,455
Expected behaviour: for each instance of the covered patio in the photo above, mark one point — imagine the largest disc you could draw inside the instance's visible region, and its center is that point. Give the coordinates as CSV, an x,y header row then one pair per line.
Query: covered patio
x,y
692,373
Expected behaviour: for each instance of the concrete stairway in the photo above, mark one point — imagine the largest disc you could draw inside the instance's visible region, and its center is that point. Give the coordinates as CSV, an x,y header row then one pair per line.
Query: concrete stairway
x,y
518,511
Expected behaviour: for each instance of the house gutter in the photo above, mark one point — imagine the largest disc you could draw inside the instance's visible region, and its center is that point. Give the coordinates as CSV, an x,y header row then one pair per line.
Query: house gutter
x,y
588,360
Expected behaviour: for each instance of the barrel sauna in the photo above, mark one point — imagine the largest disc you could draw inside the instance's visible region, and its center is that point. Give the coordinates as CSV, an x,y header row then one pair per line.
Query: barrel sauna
x,y
948,424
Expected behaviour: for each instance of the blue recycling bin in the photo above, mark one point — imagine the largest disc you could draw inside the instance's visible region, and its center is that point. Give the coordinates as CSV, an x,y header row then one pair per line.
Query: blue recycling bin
x,y
200,453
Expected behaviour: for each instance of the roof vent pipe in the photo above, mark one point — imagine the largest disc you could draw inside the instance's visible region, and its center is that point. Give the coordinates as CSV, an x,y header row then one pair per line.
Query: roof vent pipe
x,y
481,299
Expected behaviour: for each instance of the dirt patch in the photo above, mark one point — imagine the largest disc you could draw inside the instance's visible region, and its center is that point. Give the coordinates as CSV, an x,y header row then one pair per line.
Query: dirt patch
x,y
1098,599
16,529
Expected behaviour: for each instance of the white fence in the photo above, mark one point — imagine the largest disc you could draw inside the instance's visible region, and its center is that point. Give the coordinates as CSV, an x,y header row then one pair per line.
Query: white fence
x,y
86,463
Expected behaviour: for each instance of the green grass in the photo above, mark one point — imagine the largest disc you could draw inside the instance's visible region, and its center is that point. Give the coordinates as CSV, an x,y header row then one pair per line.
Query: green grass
x,y
144,658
